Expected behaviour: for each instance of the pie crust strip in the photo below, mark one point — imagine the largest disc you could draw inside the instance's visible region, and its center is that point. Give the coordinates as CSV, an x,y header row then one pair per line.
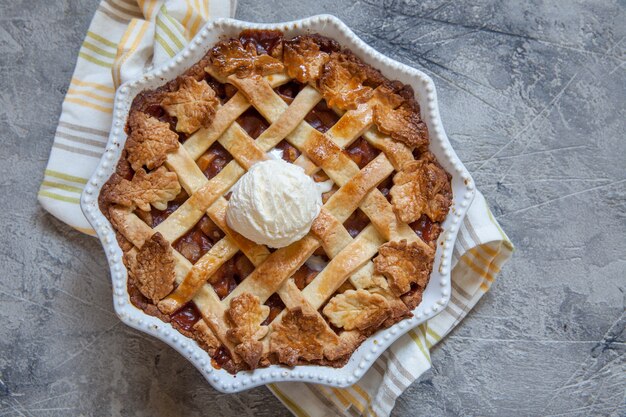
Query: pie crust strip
x,y
137,232
397,152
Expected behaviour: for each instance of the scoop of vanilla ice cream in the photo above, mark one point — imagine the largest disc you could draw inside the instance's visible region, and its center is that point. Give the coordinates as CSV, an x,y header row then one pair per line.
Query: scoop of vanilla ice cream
x,y
274,203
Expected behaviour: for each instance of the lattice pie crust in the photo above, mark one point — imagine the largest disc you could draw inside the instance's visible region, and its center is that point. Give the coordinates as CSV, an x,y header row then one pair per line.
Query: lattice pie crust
x,y
369,254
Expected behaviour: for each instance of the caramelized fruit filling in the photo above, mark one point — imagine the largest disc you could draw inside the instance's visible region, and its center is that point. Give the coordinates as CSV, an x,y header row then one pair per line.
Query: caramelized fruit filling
x,y
253,123
186,317
356,222
276,305
361,152
230,274
214,160
426,229
197,241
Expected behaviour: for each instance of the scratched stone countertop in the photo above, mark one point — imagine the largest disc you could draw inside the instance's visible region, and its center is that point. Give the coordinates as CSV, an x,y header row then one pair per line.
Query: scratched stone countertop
x,y
532,96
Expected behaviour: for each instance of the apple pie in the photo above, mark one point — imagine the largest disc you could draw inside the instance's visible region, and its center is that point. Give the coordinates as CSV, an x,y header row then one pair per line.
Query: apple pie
x,y
366,256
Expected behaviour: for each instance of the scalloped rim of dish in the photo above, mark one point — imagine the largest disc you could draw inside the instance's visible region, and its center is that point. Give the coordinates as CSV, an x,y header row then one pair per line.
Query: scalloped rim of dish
x,y
437,293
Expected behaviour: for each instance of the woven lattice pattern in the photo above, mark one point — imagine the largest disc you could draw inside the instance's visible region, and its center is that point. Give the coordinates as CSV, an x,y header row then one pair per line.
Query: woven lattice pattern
x,y
318,324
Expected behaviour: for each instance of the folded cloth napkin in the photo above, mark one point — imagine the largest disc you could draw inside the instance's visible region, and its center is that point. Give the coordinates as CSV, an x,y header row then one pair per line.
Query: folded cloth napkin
x,y
125,38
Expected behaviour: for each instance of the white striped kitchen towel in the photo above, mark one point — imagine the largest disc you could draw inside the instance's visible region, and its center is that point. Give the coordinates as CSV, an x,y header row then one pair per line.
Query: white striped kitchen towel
x,y
127,36
124,38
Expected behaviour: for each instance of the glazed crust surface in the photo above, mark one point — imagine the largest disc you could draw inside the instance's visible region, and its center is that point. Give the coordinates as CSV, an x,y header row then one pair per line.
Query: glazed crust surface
x,y
369,253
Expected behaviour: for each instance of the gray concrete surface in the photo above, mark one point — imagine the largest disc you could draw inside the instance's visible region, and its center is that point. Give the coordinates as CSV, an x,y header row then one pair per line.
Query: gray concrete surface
x,y
533,98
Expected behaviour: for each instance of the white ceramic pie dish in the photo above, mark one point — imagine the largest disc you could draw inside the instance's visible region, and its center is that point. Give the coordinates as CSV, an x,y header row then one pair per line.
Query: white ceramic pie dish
x,y
437,293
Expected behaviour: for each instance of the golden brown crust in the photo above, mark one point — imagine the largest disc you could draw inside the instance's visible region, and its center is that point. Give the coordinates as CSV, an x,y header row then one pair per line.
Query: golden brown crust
x,y
153,268
341,82
348,342
402,124
413,298
301,335
387,97
206,335
397,114
421,187
108,189
303,58
155,188
377,284
358,309
246,315
404,264
193,104
232,57
250,351
149,141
